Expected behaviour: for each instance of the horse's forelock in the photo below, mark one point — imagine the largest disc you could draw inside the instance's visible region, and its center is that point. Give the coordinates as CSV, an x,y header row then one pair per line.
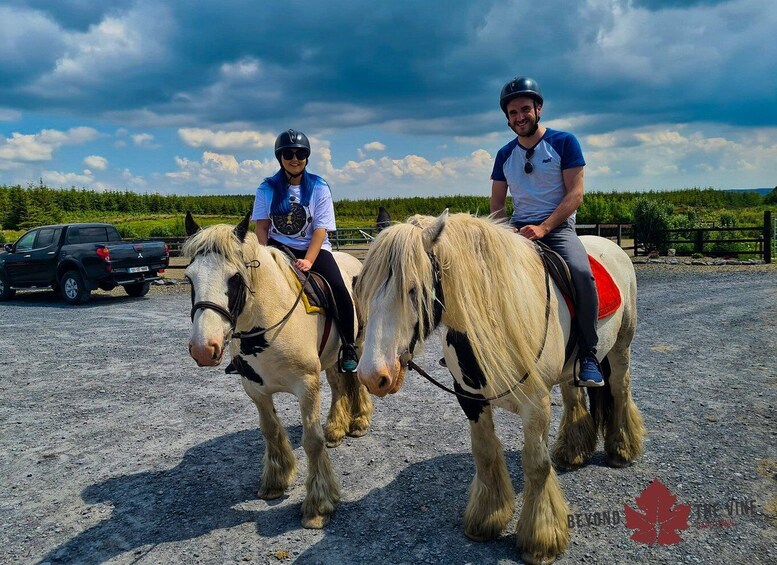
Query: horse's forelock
x,y
220,239
395,264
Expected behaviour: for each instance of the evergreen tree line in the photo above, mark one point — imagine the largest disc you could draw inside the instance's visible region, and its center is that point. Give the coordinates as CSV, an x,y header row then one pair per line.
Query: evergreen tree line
x,y
25,207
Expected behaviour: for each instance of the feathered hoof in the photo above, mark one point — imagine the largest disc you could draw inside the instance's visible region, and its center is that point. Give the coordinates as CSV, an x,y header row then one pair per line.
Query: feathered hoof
x,y
477,536
333,436
532,559
358,431
270,493
563,465
616,461
482,534
315,522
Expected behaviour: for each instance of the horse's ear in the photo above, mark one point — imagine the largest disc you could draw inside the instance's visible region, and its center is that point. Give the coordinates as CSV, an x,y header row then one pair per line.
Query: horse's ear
x,y
242,228
432,233
384,219
190,224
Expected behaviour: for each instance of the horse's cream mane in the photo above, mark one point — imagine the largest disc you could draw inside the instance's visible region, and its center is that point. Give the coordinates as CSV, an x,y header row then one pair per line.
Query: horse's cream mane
x,y
221,239
493,285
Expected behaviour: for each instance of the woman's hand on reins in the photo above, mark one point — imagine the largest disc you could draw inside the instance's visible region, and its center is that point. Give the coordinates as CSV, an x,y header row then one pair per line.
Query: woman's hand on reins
x,y
303,265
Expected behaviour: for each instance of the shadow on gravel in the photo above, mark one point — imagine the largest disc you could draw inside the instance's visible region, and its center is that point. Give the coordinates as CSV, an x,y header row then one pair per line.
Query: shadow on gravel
x,y
187,501
417,516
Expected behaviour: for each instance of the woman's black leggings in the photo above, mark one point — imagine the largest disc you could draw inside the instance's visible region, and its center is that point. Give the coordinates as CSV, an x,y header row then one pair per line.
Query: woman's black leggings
x,y
326,266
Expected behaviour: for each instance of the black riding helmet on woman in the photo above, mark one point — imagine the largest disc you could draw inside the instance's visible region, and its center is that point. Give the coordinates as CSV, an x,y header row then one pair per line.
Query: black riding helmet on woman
x,y
294,208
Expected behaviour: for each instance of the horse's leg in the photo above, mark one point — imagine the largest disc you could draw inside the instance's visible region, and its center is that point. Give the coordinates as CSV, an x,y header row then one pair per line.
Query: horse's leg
x,y
542,532
279,466
322,489
338,421
351,409
576,438
361,406
623,427
491,495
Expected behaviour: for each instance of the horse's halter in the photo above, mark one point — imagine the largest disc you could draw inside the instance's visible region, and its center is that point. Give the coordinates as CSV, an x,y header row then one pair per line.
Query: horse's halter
x,y
237,305
406,358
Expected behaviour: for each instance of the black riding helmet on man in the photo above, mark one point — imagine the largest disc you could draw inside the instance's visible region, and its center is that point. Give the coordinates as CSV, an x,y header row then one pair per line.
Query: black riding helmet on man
x,y
294,208
543,170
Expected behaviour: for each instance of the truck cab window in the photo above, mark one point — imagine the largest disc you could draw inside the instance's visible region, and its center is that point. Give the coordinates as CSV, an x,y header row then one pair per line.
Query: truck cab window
x,y
26,242
46,237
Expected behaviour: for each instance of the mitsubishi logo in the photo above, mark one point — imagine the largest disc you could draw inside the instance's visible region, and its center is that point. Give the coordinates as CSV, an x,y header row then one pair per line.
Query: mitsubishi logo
x,y
140,255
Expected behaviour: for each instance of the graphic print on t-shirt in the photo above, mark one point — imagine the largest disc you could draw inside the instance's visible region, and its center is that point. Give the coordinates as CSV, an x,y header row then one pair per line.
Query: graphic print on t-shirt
x,y
296,222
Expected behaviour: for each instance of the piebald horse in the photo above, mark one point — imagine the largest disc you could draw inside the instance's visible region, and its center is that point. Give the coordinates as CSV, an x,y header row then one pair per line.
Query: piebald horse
x,y
245,294
506,326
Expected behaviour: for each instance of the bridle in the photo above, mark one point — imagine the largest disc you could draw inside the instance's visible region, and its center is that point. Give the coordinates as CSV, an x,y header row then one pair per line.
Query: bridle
x,y
234,311
406,358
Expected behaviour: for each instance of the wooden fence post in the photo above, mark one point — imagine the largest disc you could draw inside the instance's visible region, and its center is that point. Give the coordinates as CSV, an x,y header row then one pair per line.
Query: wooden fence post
x,y
699,243
768,236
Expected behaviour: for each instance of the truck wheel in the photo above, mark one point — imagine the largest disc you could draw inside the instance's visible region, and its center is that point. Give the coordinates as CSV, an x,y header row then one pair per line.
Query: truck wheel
x,y
6,292
138,289
73,289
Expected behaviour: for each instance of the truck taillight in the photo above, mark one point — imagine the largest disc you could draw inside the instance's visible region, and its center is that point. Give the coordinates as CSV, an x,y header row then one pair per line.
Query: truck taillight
x,y
104,254
167,249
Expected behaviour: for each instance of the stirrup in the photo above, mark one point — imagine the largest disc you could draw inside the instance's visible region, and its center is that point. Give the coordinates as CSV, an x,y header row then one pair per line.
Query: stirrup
x,y
587,383
341,358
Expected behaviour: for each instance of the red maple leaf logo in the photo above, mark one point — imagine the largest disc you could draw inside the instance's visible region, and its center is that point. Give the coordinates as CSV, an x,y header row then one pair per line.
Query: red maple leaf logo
x,y
660,519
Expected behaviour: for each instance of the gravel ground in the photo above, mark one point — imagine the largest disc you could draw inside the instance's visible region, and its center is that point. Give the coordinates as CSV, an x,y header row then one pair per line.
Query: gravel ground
x,y
116,448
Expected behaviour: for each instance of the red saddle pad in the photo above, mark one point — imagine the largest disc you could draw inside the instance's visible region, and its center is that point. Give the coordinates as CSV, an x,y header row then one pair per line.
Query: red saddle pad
x,y
609,295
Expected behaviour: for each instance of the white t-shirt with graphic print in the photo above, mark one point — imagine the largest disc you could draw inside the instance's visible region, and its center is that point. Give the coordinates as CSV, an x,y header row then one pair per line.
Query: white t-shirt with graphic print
x,y
295,229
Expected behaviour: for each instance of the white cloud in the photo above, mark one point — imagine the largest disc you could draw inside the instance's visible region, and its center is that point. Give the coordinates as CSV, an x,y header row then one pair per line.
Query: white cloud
x,y
226,140
41,146
96,162
115,47
143,139
66,179
375,146
221,170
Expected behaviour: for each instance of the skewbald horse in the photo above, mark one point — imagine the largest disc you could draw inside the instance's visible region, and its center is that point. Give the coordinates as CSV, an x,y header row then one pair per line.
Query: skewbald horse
x,y
241,290
506,326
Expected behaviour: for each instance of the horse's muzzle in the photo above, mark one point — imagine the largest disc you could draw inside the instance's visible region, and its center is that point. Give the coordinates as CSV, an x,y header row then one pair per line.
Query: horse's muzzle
x,y
207,355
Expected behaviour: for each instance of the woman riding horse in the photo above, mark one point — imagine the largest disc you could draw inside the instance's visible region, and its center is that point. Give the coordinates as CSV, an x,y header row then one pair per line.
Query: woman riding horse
x,y
294,208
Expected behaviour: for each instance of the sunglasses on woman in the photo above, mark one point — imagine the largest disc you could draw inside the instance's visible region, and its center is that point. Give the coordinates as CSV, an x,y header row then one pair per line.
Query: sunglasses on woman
x,y
528,167
300,154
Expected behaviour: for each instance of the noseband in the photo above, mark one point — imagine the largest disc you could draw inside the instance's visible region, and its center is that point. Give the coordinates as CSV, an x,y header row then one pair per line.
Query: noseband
x,y
406,358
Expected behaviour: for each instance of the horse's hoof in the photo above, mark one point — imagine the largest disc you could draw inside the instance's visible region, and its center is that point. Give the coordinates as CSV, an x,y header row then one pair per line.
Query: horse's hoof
x,y
357,432
474,536
270,494
333,442
315,522
535,560
616,461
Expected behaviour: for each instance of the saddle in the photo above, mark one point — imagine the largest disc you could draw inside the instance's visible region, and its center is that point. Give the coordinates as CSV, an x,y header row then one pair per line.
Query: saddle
x,y
609,295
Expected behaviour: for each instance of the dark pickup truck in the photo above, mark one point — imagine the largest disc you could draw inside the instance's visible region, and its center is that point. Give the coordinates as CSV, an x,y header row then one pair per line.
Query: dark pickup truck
x,y
78,258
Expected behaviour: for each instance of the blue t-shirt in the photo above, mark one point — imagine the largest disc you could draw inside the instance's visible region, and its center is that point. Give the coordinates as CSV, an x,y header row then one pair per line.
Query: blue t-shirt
x,y
537,194
295,229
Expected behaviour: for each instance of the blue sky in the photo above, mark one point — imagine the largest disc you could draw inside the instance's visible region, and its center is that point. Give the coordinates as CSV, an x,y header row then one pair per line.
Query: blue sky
x,y
399,98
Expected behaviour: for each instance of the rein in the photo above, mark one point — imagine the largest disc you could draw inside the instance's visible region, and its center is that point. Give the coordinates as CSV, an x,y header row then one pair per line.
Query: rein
x,y
406,359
